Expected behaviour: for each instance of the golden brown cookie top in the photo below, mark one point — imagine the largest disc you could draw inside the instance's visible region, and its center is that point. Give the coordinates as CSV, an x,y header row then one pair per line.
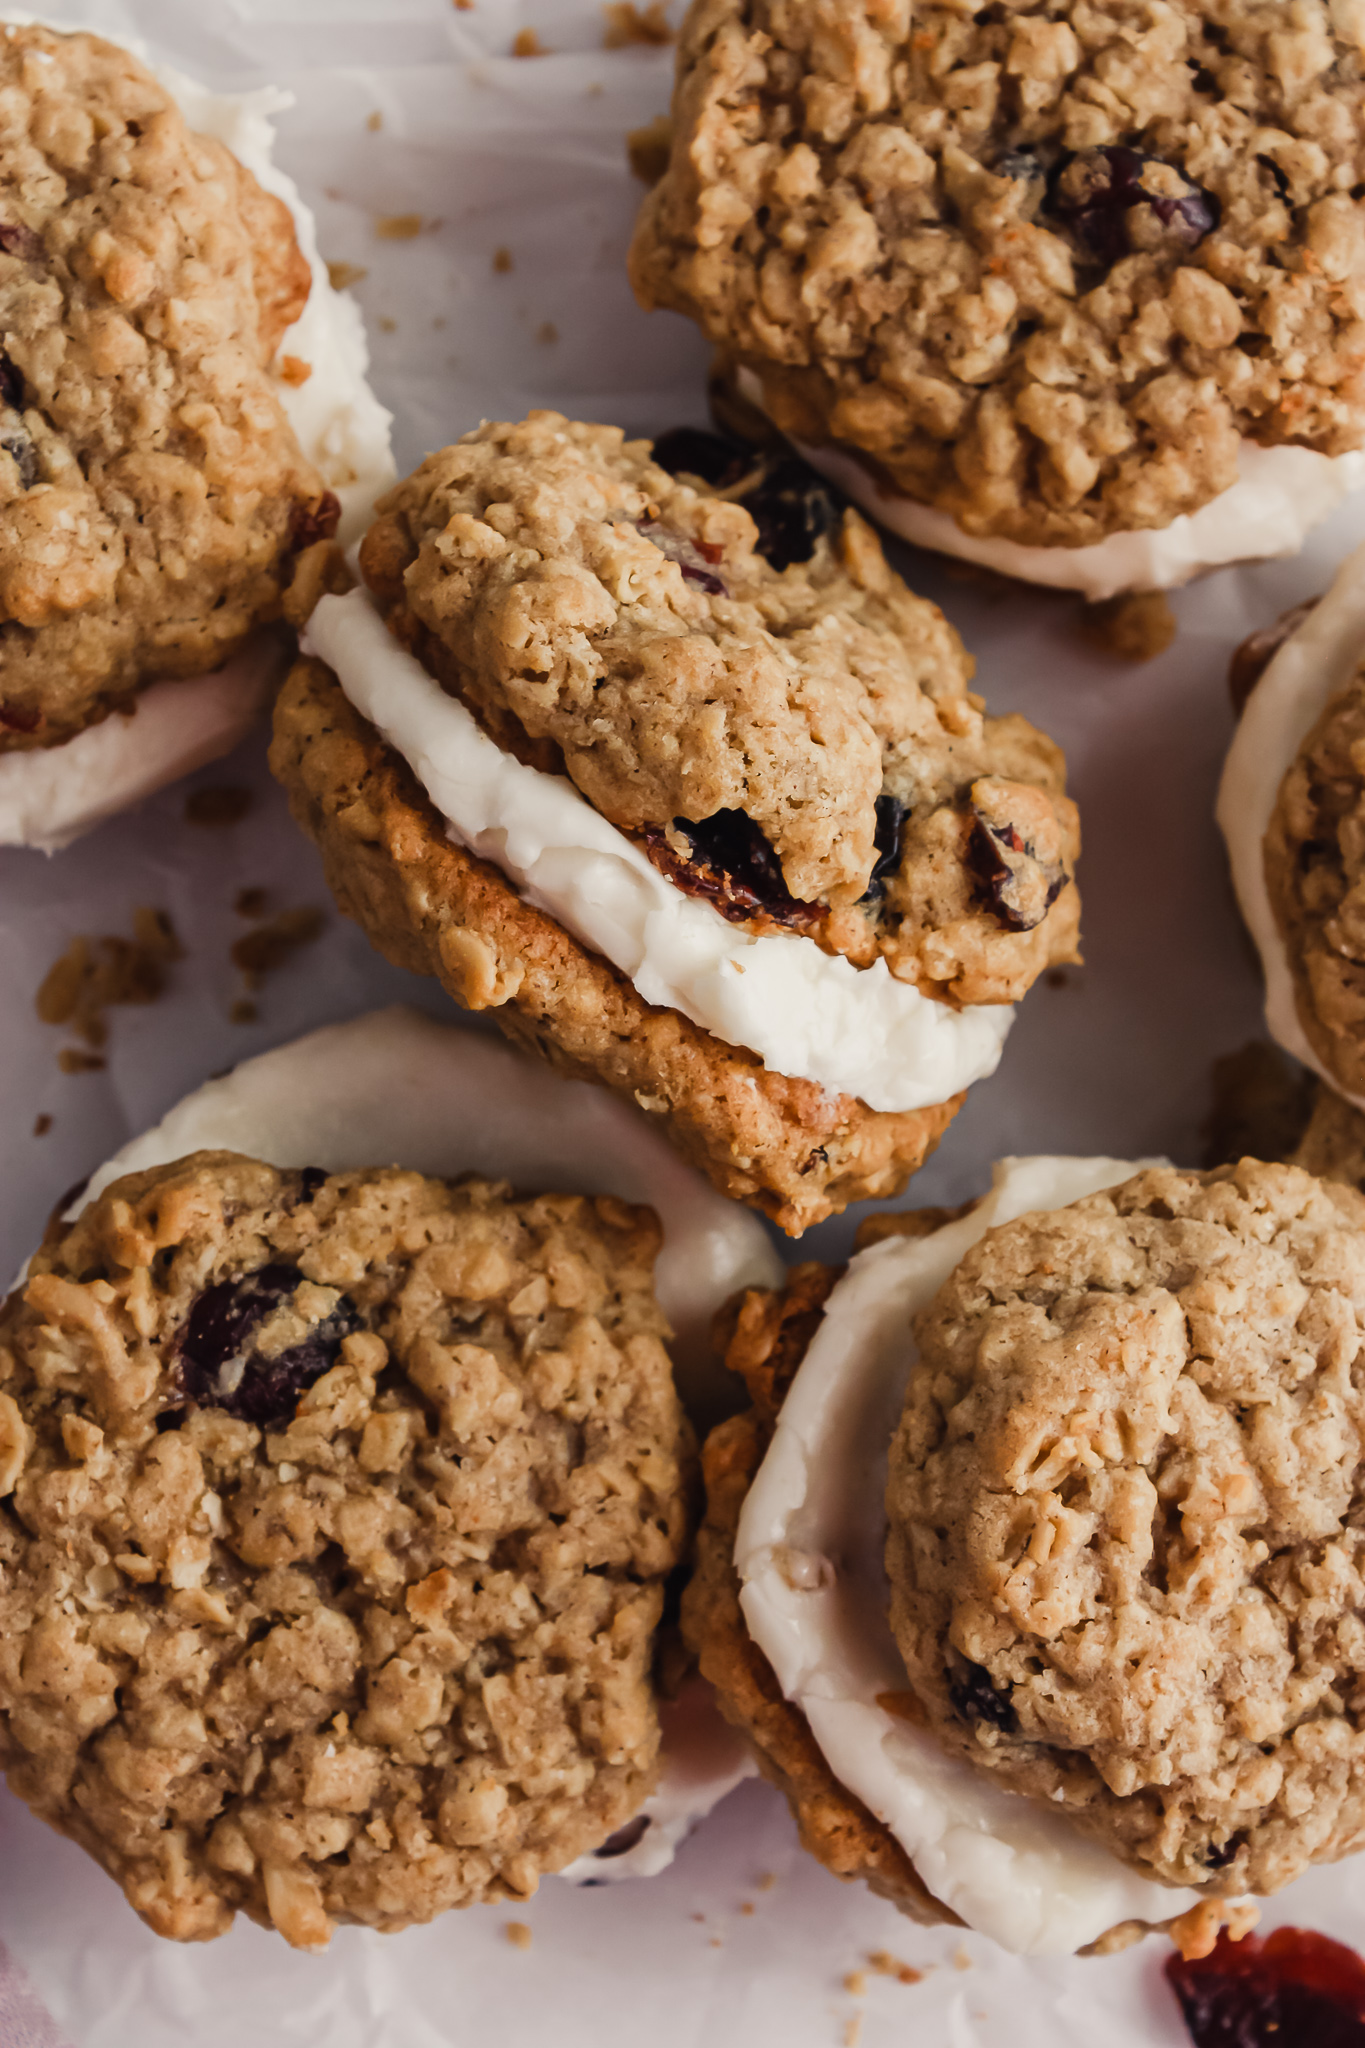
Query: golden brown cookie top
x,y
151,488
797,742
1125,1506
1044,265
336,1513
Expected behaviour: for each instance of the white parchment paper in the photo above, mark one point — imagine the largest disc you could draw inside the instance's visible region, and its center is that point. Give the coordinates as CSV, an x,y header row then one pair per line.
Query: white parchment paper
x,y
496,152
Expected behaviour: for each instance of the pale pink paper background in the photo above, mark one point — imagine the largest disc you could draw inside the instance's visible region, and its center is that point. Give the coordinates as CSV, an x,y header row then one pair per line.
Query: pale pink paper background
x,y
529,155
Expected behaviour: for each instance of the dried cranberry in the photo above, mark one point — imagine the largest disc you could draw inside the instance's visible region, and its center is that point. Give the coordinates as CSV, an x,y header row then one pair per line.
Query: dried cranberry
x,y
793,511
974,1696
220,1367
15,720
886,838
626,1838
25,457
733,867
11,383
1251,660
1295,1989
715,458
691,556
1097,192
1218,1855
17,240
1015,886
314,522
311,1178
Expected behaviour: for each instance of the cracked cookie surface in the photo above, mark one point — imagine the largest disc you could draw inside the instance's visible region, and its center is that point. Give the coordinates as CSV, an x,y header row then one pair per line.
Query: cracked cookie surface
x,y
1043,265
1315,875
336,1513
152,491
797,743
1125,1508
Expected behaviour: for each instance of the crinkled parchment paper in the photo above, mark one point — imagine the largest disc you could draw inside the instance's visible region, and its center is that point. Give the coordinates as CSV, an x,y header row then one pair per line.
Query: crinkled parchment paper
x,y
494,152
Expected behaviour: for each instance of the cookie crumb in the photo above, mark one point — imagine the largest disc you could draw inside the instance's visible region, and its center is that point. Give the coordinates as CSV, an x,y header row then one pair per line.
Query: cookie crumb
x,y
42,1124
886,1965
853,2031
464,6
528,44
1135,628
855,1984
243,1011
386,325
398,227
374,122
518,1933
627,24
648,149
261,952
716,1941
250,902
294,371
768,1881
747,1907
700,1918
93,975
72,1060
341,276
961,1959
218,803
502,261
547,332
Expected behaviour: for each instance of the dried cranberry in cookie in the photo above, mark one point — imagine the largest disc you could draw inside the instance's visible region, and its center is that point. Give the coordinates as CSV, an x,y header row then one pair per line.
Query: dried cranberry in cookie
x,y
1034,282
687,709
335,1522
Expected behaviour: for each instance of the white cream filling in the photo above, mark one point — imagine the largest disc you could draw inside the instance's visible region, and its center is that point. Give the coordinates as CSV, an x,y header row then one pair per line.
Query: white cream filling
x,y
441,1099
1310,667
51,795
804,1012
1280,495
809,1553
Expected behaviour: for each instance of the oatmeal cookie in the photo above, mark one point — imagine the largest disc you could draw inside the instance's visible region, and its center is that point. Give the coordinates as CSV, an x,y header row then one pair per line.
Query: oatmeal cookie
x,y
1044,266
724,664
785,1145
152,491
1125,1503
336,1514
1315,875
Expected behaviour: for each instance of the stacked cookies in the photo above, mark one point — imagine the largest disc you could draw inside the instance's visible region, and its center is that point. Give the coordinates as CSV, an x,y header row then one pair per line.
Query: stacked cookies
x,y
349,1420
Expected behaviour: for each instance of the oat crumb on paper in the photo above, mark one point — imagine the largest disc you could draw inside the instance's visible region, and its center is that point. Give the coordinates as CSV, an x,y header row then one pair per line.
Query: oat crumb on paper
x,y
398,227
528,44
260,952
627,24
42,1124
386,325
218,804
502,261
547,332
855,1984
853,2031
72,1060
518,1933
294,371
961,1959
1137,627
648,149
341,276
374,122
93,975
747,1907
768,1881
886,1965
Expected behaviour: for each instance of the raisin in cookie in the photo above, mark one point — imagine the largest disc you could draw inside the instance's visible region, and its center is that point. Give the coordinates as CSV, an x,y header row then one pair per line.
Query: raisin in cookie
x,y
153,494
1292,810
1047,273
1124,1502
337,1511
756,783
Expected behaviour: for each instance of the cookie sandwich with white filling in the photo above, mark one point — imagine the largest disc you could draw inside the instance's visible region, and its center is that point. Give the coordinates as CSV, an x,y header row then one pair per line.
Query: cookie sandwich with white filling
x,y
1291,806
184,413
1032,1572
736,839
1073,295
338,1502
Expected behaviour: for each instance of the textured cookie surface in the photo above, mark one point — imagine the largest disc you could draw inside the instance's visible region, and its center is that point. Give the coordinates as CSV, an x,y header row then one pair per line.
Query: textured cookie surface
x,y
1126,1553
336,1515
1043,264
797,743
151,489
1315,873
786,1145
